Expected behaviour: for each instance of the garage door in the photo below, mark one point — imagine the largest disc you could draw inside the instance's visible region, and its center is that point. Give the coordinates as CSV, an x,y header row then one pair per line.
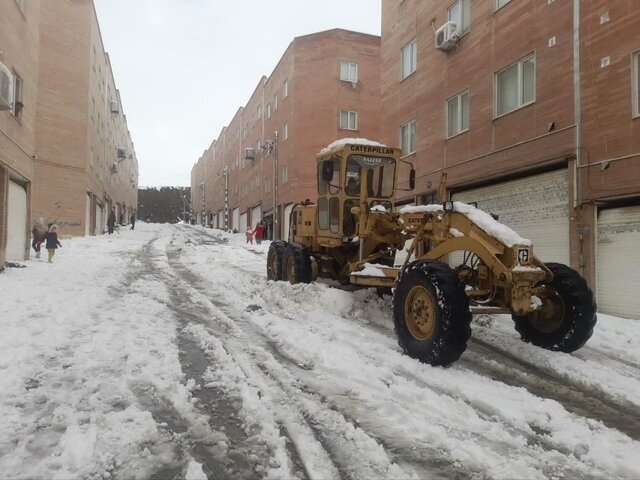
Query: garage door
x,y
618,262
536,207
256,215
287,218
16,223
243,222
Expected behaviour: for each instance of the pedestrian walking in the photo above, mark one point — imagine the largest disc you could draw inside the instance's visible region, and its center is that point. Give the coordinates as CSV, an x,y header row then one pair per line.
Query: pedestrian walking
x,y
249,235
52,242
133,221
111,221
259,232
38,232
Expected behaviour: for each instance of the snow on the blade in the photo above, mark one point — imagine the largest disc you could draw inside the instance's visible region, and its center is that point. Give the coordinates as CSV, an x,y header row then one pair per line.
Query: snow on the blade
x,y
371,270
485,221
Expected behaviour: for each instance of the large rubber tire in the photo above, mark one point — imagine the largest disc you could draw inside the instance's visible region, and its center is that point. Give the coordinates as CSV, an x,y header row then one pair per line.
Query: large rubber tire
x,y
565,322
275,260
431,313
297,265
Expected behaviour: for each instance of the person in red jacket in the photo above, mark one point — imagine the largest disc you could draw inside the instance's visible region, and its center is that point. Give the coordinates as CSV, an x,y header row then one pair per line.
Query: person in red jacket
x,y
259,232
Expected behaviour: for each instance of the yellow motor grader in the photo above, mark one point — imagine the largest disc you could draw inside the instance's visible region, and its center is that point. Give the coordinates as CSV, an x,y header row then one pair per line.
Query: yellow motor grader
x,y
352,234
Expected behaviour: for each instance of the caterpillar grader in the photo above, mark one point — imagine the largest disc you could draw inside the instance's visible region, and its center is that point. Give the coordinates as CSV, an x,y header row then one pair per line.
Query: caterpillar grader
x,y
352,234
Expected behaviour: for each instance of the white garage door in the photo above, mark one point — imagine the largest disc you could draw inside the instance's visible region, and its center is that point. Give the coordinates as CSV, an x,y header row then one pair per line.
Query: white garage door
x,y
536,207
100,225
256,215
618,262
87,215
235,219
243,222
287,218
16,223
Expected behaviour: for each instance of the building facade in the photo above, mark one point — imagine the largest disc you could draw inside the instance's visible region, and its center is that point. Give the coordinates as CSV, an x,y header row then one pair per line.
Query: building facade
x,y
531,108
85,164
19,54
66,154
325,87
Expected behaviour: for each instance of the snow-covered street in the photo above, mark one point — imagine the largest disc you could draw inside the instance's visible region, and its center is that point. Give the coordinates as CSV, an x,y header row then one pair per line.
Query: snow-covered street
x,y
164,353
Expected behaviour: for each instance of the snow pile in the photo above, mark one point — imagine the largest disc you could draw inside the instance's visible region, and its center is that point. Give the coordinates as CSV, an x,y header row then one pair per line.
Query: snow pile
x,y
482,219
355,141
371,270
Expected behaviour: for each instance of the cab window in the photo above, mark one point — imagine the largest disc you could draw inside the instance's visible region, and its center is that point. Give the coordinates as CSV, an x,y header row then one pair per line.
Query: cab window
x,y
332,187
381,176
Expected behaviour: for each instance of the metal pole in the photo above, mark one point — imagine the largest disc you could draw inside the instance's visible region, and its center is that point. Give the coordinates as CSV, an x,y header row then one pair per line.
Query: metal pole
x,y
276,223
225,172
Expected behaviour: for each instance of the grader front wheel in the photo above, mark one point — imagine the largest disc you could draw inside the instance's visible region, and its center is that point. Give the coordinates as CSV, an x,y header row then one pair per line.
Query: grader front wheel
x,y
431,313
275,260
567,316
297,264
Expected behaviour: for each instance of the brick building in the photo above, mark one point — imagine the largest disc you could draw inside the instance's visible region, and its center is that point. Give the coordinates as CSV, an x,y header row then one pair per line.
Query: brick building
x,y
85,163
325,86
19,38
533,112
66,154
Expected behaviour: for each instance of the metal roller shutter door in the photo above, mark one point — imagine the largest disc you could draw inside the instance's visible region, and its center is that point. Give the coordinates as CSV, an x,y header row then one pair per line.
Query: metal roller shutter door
x,y
243,222
256,215
536,207
235,220
287,219
618,262
16,223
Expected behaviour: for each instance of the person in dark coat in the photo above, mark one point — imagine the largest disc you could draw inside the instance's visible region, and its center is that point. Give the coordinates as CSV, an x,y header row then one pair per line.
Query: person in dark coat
x,y
133,221
111,221
38,232
52,243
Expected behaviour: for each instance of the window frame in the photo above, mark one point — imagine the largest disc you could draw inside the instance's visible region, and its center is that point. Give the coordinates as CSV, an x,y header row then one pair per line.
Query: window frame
x,y
459,127
268,111
521,104
349,114
285,89
461,4
349,64
415,136
18,88
285,173
285,131
413,60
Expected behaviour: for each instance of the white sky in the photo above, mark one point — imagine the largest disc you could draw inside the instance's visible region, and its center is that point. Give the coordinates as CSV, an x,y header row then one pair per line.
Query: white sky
x,y
183,67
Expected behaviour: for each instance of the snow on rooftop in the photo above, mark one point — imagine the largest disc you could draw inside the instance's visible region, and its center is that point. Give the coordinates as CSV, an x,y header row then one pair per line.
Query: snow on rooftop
x,y
481,218
354,141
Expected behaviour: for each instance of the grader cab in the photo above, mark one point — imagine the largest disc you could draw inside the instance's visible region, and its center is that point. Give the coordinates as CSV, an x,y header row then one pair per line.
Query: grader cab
x,y
352,234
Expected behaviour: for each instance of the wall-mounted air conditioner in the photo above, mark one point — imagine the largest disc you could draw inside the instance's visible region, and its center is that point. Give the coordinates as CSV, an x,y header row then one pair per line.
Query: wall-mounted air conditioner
x,y
447,36
122,154
115,107
6,88
249,153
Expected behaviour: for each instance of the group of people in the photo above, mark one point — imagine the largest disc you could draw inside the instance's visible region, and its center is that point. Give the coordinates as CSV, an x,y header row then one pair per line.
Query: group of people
x,y
47,235
111,221
257,232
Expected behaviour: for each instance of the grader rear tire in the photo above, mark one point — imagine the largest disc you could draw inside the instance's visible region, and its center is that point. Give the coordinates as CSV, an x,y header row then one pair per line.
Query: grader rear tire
x,y
297,265
275,260
566,319
431,313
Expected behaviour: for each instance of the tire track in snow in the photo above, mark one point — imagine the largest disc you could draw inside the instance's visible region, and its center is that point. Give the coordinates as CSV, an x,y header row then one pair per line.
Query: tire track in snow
x,y
501,365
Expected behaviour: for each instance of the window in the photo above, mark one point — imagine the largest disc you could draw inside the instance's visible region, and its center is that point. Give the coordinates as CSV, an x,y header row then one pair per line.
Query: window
x,y
267,185
501,3
349,72
285,131
285,89
268,110
516,86
275,102
460,13
458,114
20,4
259,112
285,174
636,84
348,120
409,58
16,108
408,138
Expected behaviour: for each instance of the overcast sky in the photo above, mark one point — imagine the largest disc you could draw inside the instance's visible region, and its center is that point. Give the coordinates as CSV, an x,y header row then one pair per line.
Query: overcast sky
x,y
183,67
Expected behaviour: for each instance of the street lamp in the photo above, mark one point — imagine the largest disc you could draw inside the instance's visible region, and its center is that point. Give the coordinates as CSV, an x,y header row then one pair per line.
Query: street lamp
x,y
272,145
225,174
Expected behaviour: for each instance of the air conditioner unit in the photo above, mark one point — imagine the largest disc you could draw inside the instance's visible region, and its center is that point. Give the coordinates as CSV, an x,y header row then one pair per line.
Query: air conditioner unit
x,y
122,153
6,88
447,36
115,107
249,153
